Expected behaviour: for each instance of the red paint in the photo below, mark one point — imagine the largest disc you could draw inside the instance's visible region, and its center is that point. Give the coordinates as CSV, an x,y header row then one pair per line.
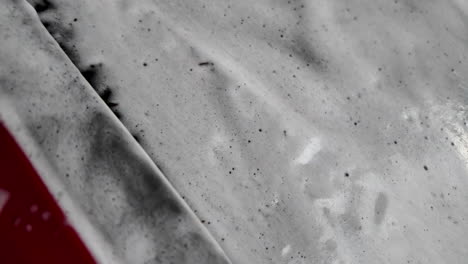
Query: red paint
x,y
33,228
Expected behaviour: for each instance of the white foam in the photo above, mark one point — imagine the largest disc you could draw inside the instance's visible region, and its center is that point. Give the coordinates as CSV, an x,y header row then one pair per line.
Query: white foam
x,y
311,149
285,250
4,196
33,208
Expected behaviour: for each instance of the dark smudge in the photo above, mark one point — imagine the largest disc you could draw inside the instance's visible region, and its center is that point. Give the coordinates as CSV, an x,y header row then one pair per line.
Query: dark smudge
x,y
60,30
380,208
206,63
91,74
303,50
145,188
42,5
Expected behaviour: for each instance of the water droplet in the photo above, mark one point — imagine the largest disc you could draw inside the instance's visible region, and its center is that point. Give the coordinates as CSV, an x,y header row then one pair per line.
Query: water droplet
x,y
45,216
34,208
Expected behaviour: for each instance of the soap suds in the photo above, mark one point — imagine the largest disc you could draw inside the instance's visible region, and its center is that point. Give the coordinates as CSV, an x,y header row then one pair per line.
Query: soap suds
x,y
310,150
4,196
285,250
